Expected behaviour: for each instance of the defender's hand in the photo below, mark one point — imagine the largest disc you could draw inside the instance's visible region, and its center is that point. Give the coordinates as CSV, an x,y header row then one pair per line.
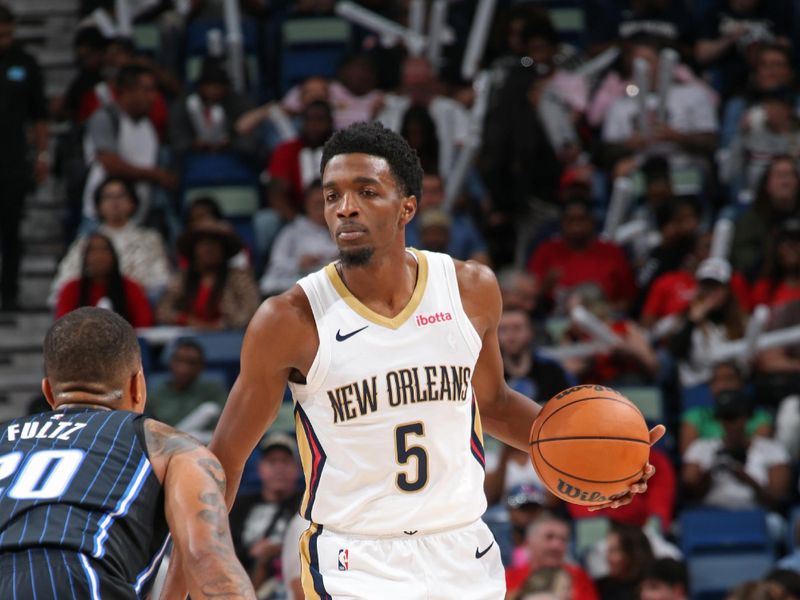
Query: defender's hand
x,y
640,487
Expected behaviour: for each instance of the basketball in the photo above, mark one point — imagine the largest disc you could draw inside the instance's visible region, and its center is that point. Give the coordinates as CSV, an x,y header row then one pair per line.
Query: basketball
x,y
589,444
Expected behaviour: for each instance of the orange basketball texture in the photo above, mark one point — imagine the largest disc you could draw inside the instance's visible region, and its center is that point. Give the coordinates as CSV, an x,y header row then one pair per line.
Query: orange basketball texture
x,y
589,444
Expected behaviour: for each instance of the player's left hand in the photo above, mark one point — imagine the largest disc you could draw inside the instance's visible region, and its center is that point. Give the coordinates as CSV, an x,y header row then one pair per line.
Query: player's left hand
x,y
640,487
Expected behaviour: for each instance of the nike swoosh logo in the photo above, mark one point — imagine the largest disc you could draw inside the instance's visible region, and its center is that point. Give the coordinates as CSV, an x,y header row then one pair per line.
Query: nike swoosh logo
x,y
341,338
479,554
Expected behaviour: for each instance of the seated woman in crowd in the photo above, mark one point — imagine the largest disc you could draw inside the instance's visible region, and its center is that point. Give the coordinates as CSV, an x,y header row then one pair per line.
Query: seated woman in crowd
x,y
209,294
780,281
141,251
102,284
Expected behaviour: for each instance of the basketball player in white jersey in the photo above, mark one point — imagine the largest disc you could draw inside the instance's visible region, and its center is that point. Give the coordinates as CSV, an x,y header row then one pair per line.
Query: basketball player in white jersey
x,y
391,355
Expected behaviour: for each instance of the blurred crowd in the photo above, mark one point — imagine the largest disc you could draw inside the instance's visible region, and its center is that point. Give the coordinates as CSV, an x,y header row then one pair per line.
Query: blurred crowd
x,y
634,183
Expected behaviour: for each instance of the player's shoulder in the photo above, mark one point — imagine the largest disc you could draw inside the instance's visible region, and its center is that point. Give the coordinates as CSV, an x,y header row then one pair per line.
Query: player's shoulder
x,y
287,317
478,288
165,443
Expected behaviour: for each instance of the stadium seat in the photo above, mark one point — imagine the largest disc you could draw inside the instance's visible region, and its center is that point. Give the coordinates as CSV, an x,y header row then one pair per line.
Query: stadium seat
x,y
312,46
221,350
647,399
147,38
233,200
794,522
225,168
246,232
697,396
587,532
147,355
710,530
711,576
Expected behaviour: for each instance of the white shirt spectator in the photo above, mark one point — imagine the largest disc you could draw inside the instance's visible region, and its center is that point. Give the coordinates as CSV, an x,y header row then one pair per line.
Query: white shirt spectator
x,y
299,239
787,425
135,141
450,118
689,110
726,491
141,253
290,553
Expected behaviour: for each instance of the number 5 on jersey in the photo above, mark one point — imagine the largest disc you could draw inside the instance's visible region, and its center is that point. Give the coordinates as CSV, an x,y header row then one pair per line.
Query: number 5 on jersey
x,y
404,452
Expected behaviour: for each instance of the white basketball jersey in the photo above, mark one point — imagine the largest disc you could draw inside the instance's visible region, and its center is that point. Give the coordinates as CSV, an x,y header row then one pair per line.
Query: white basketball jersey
x,y
387,423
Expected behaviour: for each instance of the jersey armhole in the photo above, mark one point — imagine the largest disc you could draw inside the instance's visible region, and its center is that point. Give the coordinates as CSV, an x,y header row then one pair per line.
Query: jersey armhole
x,y
138,428
319,366
468,332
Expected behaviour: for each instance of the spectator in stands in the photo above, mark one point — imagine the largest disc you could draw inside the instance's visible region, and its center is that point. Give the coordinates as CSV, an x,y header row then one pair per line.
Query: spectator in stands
x,y
577,257
524,368
780,279
731,32
204,209
519,289
186,389
777,199
297,161
290,558
123,143
525,504
22,105
303,246
788,579
420,88
102,284
668,21
548,540
141,252
419,130
259,523
629,558
700,422
665,579
779,375
758,590
690,130
672,292
209,294
714,316
631,361
204,120
737,471
464,242
773,130
773,72
89,45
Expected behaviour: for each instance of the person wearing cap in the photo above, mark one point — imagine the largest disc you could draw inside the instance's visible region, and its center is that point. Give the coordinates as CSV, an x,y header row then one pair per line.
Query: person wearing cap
x,y
209,294
525,503
713,317
259,522
203,121
737,471
780,278
141,251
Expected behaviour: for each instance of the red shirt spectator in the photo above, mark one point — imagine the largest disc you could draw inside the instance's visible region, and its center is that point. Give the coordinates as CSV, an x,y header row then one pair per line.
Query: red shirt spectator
x,y
657,501
671,293
139,313
577,256
766,292
287,161
582,585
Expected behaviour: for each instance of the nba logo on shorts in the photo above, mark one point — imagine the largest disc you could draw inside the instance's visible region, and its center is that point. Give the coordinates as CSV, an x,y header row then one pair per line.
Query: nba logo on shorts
x,y
344,559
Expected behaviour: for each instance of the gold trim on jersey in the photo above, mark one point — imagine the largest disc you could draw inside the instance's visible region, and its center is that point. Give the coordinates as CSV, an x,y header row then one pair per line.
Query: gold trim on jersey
x,y
306,460
306,579
369,314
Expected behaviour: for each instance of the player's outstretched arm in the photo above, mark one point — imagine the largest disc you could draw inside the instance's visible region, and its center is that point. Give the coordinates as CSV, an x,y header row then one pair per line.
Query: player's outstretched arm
x,y
194,483
274,344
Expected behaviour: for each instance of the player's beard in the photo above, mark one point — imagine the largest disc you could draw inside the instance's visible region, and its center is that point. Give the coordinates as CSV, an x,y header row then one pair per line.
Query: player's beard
x,y
356,258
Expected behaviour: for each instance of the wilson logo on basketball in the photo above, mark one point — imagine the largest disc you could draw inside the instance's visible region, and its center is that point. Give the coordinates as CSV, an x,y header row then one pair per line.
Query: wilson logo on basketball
x,y
440,317
573,492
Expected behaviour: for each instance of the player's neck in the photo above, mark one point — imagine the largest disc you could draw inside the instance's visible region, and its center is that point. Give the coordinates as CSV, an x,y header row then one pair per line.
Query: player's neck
x,y
82,405
387,281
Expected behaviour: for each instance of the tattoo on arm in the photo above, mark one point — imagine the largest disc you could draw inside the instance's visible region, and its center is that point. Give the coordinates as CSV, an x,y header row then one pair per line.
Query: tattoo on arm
x,y
216,472
163,440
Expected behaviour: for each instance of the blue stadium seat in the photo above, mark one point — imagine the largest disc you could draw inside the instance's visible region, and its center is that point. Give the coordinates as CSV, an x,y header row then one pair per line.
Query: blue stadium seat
x,y
147,355
794,522
647,399
711,576
711,530
312,46
245,230
697,396
225,168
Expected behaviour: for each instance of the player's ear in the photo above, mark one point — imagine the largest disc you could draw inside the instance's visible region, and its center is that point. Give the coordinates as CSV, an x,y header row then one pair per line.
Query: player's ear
x,y
408,208
138,389
47,390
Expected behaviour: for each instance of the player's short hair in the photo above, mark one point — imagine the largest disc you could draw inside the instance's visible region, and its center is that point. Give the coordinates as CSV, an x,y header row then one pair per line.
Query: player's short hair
x,y
91,345
376,140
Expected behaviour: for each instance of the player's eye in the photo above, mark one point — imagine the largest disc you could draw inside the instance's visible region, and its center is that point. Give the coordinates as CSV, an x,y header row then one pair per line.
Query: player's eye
x,y
368,193
331,197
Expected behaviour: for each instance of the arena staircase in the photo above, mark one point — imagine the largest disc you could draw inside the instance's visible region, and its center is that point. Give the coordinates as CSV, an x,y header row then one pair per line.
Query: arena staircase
x,y
46,28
